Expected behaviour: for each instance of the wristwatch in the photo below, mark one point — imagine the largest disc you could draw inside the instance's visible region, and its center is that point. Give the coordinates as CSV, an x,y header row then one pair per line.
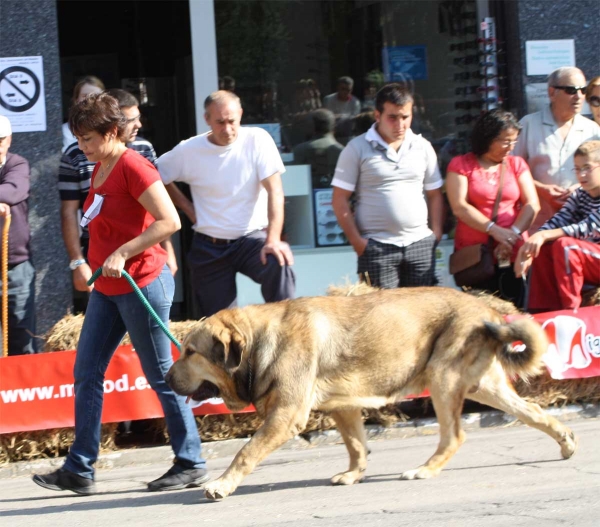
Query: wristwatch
x,y
74,264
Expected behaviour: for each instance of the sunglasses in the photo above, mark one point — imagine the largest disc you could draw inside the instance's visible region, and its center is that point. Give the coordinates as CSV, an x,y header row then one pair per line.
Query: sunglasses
x,y
571,90
594,101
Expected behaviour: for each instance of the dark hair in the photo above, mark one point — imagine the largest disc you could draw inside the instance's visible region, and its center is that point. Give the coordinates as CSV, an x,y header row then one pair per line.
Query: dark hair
x,y
363,121
395,93
98,112
489,126
347,81
124,98
323,120
92,80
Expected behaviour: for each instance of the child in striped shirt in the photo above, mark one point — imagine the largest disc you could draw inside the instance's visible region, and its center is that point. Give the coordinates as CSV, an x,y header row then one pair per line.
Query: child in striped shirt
x,y
565,253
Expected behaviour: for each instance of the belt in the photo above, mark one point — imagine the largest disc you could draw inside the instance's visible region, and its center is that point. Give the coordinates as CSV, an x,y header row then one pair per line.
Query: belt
x,y
214,241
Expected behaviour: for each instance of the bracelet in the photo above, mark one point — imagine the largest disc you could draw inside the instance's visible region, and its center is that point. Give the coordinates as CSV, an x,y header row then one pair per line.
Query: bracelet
x,y
516,230
489,226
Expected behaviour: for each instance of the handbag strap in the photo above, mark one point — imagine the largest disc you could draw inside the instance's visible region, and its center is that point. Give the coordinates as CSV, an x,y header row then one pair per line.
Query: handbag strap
x,y
497,202
499,194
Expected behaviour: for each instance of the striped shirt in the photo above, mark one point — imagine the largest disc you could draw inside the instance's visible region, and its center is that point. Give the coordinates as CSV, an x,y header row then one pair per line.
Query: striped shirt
x,y
579,217
75,172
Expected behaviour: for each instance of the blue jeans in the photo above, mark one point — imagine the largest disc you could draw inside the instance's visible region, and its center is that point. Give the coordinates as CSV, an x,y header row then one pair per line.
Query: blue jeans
x,y
21,309
106,321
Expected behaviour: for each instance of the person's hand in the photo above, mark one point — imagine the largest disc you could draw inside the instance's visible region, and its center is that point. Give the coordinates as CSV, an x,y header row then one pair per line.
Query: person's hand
x,y
531,248
554,195
281,251
113,265
80,277
4,210
172,263
504,237
522,263
360,246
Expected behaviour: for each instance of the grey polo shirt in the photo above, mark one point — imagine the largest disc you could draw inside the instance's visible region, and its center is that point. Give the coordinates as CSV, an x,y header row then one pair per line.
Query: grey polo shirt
x,y
548,156
389,185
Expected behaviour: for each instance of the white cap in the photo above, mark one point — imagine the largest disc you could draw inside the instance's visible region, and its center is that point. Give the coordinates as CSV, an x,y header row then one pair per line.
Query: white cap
x,y
5,128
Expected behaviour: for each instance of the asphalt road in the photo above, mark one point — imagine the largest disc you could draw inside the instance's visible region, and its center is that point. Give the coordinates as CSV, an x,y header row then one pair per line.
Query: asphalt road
x,y
500,477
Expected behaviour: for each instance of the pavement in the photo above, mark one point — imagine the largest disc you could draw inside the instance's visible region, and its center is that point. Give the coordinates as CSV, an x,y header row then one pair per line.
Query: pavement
x,y
227,448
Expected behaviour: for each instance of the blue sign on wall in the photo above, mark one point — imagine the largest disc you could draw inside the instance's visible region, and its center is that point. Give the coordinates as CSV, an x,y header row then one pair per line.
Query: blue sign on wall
x,y
402,63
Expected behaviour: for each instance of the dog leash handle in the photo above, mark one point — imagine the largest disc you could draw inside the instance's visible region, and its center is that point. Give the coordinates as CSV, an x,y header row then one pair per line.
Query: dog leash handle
x,y
144,301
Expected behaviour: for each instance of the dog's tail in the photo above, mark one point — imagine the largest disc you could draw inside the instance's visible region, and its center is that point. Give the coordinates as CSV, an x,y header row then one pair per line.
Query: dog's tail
x,y
525,362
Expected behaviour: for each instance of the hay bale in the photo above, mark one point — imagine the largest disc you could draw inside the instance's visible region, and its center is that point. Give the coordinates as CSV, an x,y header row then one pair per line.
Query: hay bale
x,y
25,446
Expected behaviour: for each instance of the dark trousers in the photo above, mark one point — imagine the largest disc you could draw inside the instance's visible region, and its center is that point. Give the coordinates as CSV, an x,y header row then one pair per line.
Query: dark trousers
x,y
213,268
21,310
389,266
505,285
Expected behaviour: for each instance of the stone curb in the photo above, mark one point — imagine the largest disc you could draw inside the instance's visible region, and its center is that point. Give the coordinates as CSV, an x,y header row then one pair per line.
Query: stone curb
x,y
229,447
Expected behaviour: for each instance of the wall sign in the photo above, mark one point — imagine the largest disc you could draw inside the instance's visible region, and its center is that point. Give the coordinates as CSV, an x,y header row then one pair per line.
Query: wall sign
x,y
22,94
545,56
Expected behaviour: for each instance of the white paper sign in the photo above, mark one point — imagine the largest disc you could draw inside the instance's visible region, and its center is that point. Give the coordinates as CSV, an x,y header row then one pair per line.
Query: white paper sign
x,y
545,56
22,94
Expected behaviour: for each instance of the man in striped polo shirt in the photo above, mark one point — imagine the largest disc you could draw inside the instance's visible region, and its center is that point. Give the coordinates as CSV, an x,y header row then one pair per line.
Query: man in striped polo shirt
x,y
74,177
395,175
565,253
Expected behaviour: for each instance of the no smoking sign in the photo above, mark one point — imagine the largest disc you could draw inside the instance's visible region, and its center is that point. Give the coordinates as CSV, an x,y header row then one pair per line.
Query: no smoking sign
x,y
19,89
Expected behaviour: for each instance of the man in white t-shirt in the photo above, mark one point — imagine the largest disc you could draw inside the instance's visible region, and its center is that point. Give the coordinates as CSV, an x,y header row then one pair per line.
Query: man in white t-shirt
x,y
397,219
236,211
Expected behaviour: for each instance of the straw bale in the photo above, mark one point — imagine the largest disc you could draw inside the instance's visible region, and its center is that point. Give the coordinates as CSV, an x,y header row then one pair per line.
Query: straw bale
x,y
25,446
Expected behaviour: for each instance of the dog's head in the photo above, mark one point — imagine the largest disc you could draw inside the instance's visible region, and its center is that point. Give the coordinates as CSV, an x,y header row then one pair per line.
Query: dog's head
x,y
211,358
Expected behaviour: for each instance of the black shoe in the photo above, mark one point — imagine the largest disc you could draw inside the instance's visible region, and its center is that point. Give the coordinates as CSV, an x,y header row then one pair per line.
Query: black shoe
x,y
177,478
62,479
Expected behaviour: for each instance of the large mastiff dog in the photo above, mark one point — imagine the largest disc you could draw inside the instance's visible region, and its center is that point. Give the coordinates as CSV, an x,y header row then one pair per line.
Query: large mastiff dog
x,y
343,353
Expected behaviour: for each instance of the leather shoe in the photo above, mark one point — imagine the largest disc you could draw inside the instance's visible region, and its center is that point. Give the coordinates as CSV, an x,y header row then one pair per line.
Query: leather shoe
x,y
177,478
63,479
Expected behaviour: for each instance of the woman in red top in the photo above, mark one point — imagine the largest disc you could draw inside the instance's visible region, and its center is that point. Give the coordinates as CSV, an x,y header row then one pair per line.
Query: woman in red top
x,y
472,182
129,213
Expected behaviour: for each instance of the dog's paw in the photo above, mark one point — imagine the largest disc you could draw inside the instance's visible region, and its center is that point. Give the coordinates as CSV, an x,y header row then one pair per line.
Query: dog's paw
x,y
348,478
568,445
216,490
418,473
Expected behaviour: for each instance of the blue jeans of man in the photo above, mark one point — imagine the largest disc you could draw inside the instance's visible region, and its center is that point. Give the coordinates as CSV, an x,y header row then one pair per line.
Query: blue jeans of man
x,y
21,309
106,321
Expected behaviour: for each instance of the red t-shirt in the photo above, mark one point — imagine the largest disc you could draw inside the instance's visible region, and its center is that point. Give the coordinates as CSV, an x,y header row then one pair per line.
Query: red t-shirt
x,y
121,219
481,193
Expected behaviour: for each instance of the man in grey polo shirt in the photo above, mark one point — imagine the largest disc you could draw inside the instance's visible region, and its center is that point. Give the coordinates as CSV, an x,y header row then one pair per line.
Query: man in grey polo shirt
x,y
397,181
550,137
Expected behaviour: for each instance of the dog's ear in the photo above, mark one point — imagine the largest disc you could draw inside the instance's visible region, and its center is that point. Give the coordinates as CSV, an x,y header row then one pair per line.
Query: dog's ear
x,y
237,345
217,353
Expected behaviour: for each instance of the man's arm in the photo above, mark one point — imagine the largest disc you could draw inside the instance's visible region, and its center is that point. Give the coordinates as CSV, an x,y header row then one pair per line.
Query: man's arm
x,y
531,249
435,206
341,206
15,186
273,244
181,201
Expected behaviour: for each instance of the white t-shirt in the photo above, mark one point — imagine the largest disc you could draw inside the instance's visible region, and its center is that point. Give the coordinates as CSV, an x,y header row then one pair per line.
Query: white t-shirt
x,y
225,181
67,137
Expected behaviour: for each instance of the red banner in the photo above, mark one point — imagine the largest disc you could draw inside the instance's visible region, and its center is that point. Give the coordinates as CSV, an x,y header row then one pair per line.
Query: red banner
x,y
36,391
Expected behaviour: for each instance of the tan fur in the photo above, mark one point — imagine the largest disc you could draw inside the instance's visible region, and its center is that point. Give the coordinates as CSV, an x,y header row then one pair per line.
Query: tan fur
x,y
344,353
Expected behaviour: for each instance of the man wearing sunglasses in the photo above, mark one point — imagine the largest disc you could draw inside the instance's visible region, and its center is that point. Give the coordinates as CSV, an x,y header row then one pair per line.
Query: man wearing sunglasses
x,y
74,176
550,137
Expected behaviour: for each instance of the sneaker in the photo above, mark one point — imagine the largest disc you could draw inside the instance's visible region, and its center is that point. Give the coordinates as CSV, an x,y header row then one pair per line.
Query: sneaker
x,y
177,478
62,479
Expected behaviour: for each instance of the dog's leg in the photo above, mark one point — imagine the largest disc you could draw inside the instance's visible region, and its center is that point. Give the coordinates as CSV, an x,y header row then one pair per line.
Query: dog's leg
x,y
350,425
448,406
494,390
281,425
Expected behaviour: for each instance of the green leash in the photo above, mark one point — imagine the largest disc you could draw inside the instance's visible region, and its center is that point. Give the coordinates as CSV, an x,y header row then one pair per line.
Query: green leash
x,y
147,305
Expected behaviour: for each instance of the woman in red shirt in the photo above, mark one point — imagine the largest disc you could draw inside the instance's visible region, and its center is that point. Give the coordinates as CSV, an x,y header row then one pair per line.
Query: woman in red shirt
x,y
472,182
129,213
